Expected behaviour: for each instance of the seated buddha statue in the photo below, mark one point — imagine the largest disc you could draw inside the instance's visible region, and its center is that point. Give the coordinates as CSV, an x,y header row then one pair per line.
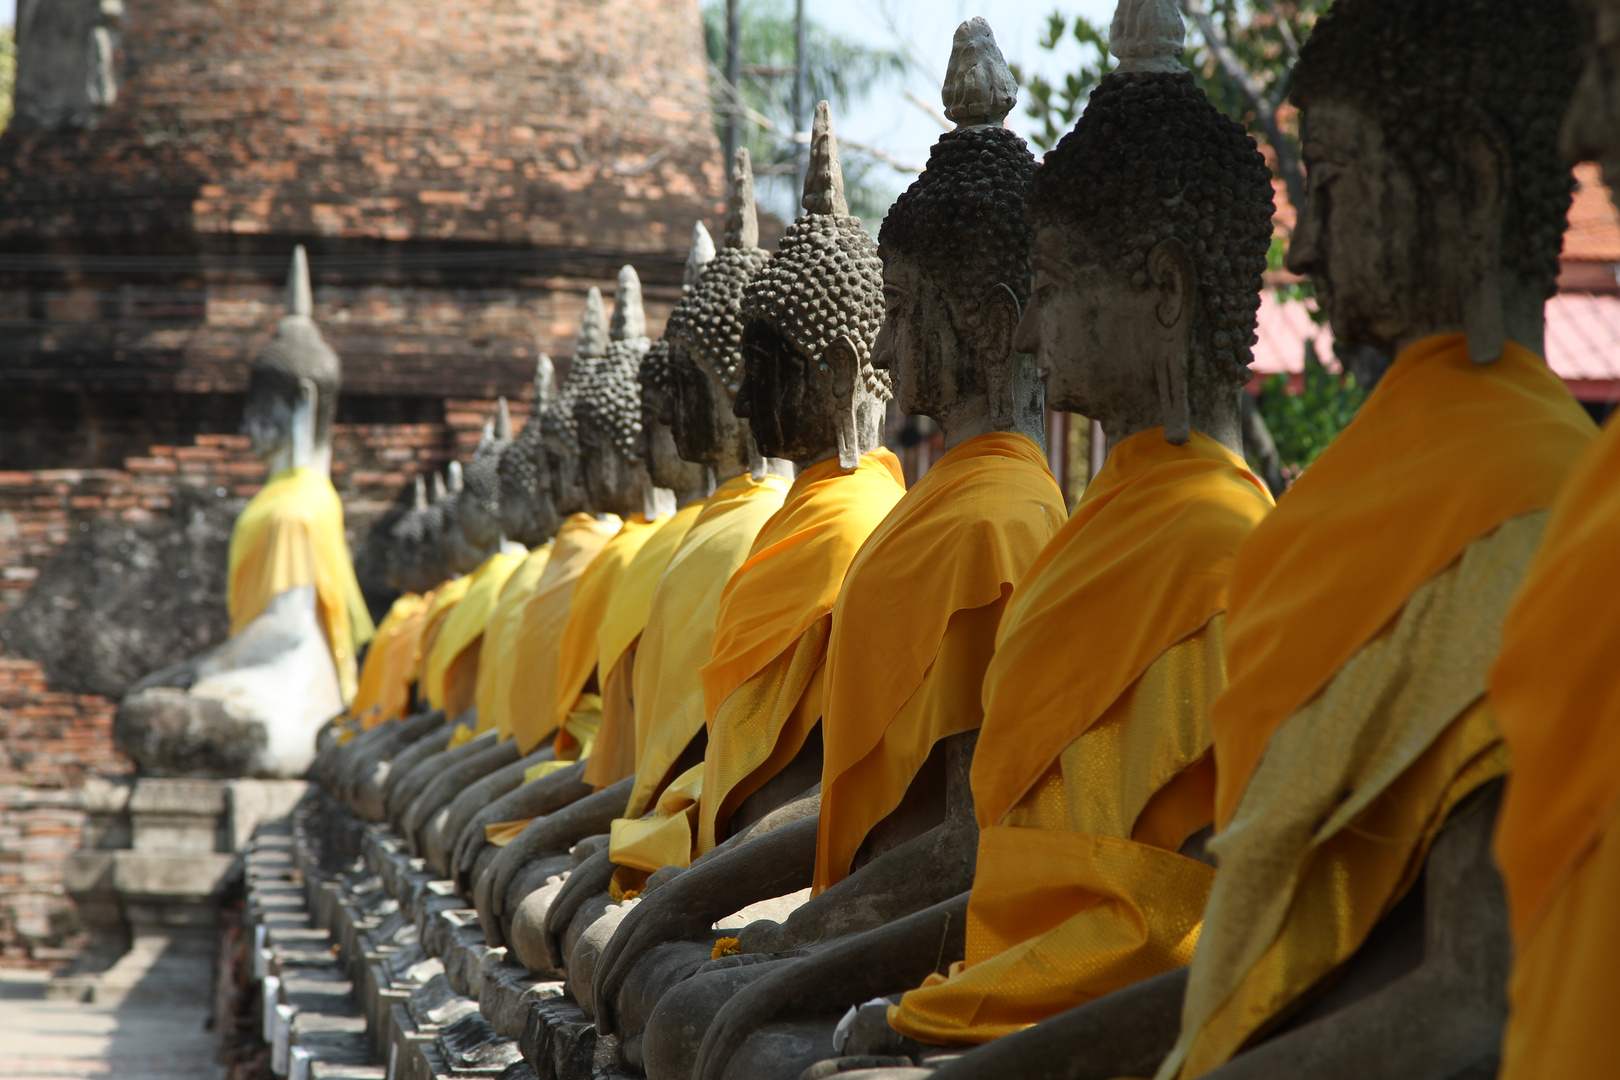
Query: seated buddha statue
x,y
605,389
525,516
578,537
624,619
252,705
1558,702
811,396
1356,925
704,337
1093,780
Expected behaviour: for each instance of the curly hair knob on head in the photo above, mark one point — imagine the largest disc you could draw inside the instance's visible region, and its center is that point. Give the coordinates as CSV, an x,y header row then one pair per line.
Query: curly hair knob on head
x,y
1150,159
1427,70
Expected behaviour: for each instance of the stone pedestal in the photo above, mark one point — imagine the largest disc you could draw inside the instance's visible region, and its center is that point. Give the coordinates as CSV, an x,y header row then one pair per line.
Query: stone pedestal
x,y
151,877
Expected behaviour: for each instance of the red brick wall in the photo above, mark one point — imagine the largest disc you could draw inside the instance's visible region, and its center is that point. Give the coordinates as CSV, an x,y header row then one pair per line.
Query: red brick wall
x,y
50,741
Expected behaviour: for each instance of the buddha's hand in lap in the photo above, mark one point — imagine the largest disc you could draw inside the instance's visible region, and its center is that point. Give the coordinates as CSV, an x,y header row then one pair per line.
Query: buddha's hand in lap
x,y
870,1034
766,936
763,1003
670,914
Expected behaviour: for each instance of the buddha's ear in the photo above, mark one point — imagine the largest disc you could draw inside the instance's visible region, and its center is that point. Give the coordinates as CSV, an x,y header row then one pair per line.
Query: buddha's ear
x,y
1000,314
845,362
303,424
1170,271
1483,195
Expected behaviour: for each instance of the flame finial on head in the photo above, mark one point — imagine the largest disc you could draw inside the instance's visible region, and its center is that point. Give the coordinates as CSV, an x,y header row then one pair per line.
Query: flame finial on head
x,y
824,180
300,298
629,319
503,420
742,219
593,327
701,253
979,88
545,384
454,481
1148,36
419,498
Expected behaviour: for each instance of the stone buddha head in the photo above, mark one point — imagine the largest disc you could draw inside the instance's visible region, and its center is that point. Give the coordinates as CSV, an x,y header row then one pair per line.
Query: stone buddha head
x,y
955,255
1150,223
1437,195
523,472
559,431
473,521
810,316
293,385
426,559
403,561
704,333
665,466
607,410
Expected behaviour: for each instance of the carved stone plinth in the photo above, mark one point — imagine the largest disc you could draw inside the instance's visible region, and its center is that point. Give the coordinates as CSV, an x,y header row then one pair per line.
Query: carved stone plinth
x,y
156,861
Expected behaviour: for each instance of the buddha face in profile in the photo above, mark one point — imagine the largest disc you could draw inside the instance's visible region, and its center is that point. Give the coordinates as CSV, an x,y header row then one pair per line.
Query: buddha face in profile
x,y
665,465
612,481
955,280
268,423
1150,221
527,512
790,400
1433,206
1089,325
702,424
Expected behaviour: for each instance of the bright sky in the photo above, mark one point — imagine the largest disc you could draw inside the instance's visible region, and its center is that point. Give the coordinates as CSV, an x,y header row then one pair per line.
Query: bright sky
x,y
924,29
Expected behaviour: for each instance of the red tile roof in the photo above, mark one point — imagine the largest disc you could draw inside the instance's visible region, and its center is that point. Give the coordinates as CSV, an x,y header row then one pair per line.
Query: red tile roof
x,y
1582,340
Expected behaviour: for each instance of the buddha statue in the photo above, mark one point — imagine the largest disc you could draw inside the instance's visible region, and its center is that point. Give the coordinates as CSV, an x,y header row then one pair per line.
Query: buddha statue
x,y
578,537
1356,926
810,396
1092,779
554,696
704,335
475,533
252,706
1555,696
605,398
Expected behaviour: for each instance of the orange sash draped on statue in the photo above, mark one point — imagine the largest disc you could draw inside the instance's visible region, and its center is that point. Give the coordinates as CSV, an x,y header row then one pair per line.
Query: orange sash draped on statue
x,y
788,585
960,539
1363,615
1091,766
1557,699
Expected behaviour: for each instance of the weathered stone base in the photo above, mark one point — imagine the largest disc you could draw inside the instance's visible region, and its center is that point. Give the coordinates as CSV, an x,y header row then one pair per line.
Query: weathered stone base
x,y
429,999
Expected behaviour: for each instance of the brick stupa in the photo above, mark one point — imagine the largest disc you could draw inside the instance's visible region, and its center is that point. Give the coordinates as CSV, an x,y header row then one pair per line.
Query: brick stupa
x,y
461,171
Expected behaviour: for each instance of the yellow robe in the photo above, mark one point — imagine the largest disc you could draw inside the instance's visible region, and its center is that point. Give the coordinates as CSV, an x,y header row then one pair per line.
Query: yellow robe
x,y
761,686
594,596
1093,763
291,535
915,625
613,758
675,646
445,599
401,616
1362,619
497,659
451,672
1558,701
531,703
400,663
